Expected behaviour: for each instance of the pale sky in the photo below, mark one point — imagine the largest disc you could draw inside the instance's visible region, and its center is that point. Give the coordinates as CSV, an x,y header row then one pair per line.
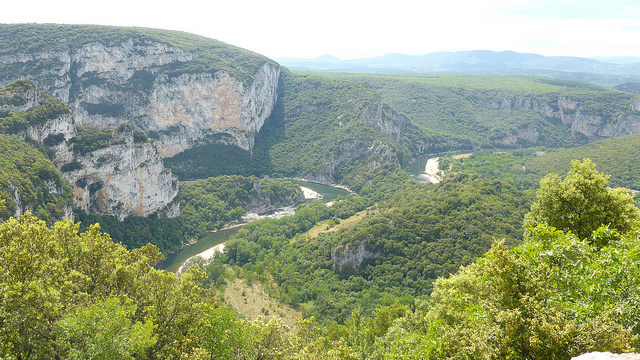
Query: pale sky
x,y
366,28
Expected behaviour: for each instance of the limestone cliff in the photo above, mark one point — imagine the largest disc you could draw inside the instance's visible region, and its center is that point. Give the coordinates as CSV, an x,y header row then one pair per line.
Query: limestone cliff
x,y
126,179
190,109
582,123
30,181
352,256
180,89
116,172
265,201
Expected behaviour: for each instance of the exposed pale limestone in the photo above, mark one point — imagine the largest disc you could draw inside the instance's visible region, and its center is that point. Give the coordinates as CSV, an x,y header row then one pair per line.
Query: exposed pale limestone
x,y
107,85
124,180
120,62
565,110
187,110
30,99
20,208
351,255
61,125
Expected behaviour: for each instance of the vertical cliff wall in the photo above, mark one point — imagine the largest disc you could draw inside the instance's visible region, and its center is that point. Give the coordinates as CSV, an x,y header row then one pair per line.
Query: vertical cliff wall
x,y
181,89
116,172
122,180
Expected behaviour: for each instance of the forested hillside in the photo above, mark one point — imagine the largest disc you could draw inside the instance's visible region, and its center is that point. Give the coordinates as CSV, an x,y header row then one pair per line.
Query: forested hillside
x,y
394,254
555,296
618,157
523,168
480,265
206,205
320,129
28,178
507,111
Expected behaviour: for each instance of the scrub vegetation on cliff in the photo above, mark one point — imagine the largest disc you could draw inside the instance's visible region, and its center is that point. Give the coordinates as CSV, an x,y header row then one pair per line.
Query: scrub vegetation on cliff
x,y
48,107
28,176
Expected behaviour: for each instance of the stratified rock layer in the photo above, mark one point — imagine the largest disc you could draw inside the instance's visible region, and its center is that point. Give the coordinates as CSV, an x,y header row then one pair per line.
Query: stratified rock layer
x,y
134,81
123,180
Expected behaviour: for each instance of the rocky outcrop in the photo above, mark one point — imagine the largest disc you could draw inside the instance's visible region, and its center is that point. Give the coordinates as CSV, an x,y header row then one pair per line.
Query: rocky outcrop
x,y
62,127
180,89
260,202
134,82
395,125
354,256
376,151
18,101
190,109
124,177
127,179
584,126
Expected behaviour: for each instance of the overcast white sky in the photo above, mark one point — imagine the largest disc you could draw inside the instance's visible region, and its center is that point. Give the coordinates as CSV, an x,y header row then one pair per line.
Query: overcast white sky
x,y
366,28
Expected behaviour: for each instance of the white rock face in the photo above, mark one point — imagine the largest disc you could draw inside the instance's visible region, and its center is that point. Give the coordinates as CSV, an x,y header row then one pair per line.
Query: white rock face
x,y
185,111
354,255
567,111
124,180
61,125
106,86
119,63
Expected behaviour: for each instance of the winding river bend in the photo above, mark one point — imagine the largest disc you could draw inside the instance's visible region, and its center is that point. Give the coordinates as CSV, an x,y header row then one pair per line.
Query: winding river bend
x,y
208,244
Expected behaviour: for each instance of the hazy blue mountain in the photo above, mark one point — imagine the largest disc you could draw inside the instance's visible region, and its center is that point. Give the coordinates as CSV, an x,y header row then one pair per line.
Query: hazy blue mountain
x,y
618,59
480,62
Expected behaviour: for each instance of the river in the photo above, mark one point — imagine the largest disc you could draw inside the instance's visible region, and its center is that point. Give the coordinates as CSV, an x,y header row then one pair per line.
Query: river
x,y
205,246
426,171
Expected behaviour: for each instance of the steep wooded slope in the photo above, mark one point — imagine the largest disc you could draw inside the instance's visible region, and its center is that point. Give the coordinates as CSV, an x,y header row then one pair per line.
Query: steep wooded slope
x,y
509,111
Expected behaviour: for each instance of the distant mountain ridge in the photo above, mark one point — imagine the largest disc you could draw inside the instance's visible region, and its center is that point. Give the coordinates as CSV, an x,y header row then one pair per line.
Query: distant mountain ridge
x,y
477,62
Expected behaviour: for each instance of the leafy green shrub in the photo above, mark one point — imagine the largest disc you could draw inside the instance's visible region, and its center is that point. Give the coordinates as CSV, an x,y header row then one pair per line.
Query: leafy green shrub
x,y
48,109
89,139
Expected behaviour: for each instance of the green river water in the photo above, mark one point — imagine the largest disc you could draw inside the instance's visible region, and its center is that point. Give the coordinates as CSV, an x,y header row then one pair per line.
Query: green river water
x,y
175,260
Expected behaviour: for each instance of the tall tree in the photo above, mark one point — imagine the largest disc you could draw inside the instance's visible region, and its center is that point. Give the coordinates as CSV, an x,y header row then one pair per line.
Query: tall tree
x,y
582,202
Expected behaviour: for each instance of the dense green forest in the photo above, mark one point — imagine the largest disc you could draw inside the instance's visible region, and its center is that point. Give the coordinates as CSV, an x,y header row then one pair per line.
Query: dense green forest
x,y
558,294
617,156
523,168
419,235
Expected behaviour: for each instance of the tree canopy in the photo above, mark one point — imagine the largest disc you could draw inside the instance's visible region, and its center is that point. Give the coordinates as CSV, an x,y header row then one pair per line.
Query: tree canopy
x,y
582,202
